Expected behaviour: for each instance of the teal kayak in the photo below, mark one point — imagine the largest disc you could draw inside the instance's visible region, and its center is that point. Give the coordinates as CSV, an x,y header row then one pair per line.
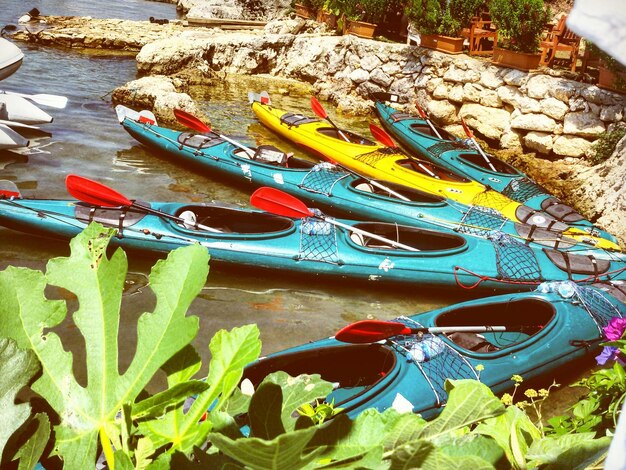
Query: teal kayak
x,y
416,135
545,331
315,246
343,193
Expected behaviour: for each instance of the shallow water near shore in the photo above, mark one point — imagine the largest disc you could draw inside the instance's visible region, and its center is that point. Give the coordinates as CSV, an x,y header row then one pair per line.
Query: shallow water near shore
x,y
87,140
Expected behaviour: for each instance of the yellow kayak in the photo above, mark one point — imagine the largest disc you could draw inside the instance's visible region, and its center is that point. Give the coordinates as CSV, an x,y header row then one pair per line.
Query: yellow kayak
x,y
380,162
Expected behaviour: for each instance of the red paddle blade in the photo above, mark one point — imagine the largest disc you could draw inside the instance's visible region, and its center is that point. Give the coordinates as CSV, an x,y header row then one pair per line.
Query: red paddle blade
x,y
466,128
92,192
317,107
381,136
421,111
8,190
190,121
279,203
370,331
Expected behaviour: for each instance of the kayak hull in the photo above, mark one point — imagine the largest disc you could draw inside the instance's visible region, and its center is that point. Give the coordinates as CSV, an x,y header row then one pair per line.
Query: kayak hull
x,y
11,58
311,246
398,373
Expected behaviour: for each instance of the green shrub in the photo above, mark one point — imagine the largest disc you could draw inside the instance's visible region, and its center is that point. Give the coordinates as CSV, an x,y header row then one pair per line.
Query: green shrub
x,y
604,147
442,16
371,11
519,23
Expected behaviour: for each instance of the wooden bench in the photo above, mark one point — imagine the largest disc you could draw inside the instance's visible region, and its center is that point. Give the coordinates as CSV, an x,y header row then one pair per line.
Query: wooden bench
x,y
482,35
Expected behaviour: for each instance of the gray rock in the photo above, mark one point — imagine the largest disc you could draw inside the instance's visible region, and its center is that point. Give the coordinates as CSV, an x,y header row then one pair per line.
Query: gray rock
x,y
539,142
442,111
472,92
490,99
515,77
369,62
570,146
612,113
491,78
441,92
533,122
513,96
554,108
456,93
359,76
511,140
583,124
456,75
491,122
381,78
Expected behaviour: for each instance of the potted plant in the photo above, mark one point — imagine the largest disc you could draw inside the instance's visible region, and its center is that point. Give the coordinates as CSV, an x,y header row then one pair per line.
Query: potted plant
x,y
328,13
362,16
306,9
611,74
439,22
520,25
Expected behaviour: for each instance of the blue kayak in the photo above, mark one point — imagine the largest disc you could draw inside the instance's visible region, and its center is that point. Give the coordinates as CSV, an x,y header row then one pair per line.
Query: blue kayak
x,y
315,246
545,331
343,193
416,135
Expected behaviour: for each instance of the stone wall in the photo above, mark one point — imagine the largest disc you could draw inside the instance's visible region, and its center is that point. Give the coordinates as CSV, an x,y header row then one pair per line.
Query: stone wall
x,y
507,107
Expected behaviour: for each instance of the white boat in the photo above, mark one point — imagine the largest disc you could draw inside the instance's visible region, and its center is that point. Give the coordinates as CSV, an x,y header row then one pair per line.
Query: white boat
x,y
18,109
10,58
9,139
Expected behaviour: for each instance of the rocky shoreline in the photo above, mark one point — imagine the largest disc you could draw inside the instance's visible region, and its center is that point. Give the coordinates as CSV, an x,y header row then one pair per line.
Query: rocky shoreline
x,y
509,109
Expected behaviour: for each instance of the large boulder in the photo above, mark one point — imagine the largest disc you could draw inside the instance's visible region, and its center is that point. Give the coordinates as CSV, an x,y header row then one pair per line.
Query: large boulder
x,y
490,122
159,94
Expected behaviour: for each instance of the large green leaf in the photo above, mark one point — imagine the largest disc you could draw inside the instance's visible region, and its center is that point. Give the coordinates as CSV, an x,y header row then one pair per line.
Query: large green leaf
x,y
567,451
31,451
475,445
98,282
17,367
287,451
411,455
514,432
469,402
265,410
231,352
297,391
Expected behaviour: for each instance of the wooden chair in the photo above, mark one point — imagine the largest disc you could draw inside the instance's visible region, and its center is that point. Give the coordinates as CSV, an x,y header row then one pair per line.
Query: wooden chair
x,y
560,39
482,35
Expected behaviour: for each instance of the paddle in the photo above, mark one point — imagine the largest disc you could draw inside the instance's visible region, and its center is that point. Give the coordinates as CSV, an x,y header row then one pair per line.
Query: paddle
x,y
280,203
92,192
191,121
319,110
471,136
53,101
427,119
371,331
385,139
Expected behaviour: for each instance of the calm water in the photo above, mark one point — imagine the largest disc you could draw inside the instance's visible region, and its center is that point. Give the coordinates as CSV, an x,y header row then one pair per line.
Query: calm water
x,y
87,140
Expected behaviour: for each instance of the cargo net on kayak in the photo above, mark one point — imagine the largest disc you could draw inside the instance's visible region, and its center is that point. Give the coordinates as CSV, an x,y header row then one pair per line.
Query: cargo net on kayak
x,y
373,158
523,189
436,360
318,241
446,146
481,221
515,260
492,199
597,305
322,178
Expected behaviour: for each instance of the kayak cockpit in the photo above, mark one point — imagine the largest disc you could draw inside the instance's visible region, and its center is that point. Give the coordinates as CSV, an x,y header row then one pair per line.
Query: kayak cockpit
x,y
270,155
345,136
353,369
229,220
412,194
424,128
523,318
432,170
422,239
118,217
494,164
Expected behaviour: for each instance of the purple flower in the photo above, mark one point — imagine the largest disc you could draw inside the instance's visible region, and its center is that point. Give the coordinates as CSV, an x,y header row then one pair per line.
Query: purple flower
x,y
610,353
615,329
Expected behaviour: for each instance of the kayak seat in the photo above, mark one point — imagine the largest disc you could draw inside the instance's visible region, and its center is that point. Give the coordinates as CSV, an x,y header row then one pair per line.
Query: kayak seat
x,y
532,233
422,239
424,128
118,217
272,155
560,211
369,242
473,342
232,220
294,119
365,187
577,264
198,141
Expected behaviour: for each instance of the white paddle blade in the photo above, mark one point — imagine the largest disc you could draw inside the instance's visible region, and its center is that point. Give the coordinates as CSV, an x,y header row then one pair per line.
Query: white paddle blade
x,y
263,97
52,101
123,112
21,110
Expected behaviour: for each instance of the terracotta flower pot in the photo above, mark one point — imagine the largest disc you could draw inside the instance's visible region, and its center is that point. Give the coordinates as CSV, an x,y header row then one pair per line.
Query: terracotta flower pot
x,y
447,44
515,60
328,18
608,80
359,28
304,11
